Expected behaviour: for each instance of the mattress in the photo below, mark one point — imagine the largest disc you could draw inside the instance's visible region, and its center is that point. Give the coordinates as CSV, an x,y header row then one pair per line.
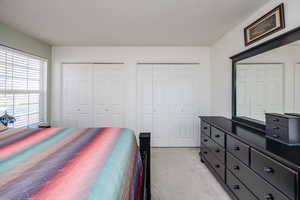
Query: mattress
x,y
69,164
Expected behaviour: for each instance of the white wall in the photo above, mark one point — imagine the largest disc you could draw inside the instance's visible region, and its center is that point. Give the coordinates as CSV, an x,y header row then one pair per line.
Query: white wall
x,y
233,43
130,56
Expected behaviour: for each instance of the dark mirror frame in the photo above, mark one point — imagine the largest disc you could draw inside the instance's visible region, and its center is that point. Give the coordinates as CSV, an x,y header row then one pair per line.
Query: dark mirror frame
x,y
284,39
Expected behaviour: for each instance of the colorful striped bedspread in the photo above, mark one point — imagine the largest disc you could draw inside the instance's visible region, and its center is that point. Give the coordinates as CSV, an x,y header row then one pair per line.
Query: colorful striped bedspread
x,y
69,164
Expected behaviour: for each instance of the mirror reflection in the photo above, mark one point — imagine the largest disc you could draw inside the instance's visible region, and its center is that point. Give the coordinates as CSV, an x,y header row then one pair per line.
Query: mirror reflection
x,y
269,83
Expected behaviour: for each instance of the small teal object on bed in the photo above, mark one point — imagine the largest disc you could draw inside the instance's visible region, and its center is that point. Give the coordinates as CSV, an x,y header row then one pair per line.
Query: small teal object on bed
x,y
7,119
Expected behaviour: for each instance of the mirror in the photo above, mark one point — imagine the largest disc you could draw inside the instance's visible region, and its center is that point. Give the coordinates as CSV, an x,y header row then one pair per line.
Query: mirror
x,y
267,82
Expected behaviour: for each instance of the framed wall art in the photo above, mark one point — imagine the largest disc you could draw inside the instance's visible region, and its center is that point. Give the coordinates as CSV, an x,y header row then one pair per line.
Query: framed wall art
x,y
270,23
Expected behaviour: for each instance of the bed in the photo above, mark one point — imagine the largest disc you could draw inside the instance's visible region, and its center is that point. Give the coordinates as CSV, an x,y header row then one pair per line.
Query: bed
x,y
74,164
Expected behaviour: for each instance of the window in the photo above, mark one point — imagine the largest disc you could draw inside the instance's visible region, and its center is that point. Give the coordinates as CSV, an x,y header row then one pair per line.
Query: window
x,y
22,87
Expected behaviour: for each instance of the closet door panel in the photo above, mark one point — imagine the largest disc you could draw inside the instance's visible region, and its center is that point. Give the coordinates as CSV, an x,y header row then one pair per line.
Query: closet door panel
x,y
77,95
145,97
260,89
108,95
161,117
184,105
168,104
243,92
297,88
274,88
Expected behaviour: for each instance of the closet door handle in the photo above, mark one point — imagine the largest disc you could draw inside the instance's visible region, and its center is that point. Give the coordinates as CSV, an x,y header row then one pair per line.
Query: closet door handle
x,y
275,136
217,166
236,167
236,187
268,170
236,148
269,197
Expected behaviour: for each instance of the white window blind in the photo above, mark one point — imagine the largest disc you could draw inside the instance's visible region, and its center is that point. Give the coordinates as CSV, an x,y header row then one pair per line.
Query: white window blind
x,y
22,87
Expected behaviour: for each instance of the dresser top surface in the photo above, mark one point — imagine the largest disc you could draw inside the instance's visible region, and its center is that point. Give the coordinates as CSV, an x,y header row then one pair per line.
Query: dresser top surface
x,y
289,155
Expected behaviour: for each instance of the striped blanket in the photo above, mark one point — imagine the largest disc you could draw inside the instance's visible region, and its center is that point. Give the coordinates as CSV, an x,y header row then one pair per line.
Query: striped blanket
x,y
69,164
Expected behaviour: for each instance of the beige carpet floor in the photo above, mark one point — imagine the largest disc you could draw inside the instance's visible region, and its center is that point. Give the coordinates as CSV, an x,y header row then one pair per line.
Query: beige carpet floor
x,y
178,174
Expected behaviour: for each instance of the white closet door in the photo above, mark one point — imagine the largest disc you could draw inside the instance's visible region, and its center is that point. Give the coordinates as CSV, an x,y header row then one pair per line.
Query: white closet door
x,y
168,104
77,95
145,99
108,95
297,88
183,97
243,95
274,88
260,89
161,118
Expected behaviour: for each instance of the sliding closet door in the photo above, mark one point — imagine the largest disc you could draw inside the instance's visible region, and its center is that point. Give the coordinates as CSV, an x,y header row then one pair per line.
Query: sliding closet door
x,y
108,95
168,104
77,95
260,89
297,88
183,97
268,90
161,118
244,91
145,99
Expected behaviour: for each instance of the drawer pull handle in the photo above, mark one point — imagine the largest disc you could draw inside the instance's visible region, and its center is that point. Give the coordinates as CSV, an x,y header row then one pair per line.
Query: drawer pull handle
x,y
217,136
217,166
269,197
275,136
236,187
236,148
205,128
276,128
276,120
218,151
268,170
205,152
205,140
236,167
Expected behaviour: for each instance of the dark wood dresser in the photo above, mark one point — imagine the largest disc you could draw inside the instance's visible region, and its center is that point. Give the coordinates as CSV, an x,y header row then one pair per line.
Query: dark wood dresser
x,y
249,165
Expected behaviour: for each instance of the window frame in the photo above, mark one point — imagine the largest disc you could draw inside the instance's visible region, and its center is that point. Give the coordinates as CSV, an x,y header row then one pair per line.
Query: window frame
x,y
43,85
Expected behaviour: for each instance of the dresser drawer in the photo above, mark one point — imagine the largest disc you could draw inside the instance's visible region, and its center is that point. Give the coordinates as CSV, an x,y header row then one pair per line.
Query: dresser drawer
x,y
278,132
276,120
213,162
238,149
205,139
277,174
215,149
261,188
238,188
218,136
204,152
218,151
205,128
218,167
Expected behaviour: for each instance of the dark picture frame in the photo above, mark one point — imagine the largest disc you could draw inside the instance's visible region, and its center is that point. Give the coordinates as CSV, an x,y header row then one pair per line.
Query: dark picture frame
x,y
279,41
268,24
